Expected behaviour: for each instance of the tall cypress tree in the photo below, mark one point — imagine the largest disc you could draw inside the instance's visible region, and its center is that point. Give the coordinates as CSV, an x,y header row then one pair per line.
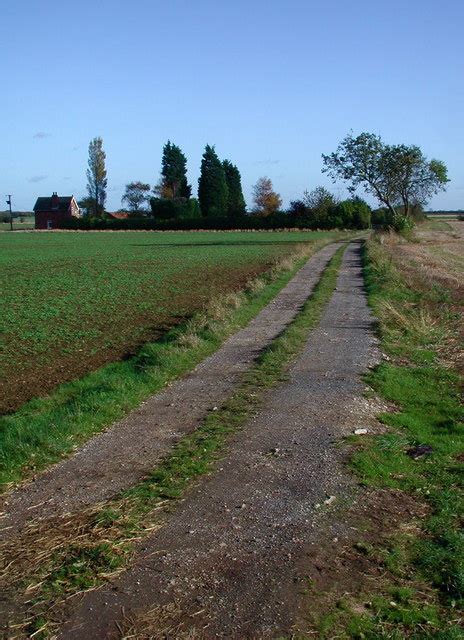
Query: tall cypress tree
x,y
96,176
173,183
212,185
235,202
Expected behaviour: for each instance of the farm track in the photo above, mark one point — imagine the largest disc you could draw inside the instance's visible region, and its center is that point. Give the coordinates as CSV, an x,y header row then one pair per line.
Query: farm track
x,y
230,561
124,454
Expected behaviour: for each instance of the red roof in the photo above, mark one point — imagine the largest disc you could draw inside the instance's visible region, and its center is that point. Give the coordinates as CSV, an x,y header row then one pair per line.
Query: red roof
x,y
119,215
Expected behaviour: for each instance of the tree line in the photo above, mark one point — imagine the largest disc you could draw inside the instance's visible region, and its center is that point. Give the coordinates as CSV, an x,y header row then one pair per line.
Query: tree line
x,y
399,177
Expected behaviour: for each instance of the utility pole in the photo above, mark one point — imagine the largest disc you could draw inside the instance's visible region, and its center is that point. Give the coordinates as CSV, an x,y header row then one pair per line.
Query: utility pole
x,y
11,214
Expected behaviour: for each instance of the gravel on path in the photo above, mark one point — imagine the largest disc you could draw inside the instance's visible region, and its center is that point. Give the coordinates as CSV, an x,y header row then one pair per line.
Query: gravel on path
x,y
228,562
121,456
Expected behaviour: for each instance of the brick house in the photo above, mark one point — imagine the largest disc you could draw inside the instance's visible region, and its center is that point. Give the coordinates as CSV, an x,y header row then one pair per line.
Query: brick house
x,y
50,212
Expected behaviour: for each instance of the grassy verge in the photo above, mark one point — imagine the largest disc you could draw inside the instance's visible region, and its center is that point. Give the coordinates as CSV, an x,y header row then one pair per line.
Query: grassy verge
x,y
46,429
54,560
421,454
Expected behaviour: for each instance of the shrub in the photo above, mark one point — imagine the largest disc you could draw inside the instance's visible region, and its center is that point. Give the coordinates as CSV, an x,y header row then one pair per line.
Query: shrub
x,y
354,213
175,208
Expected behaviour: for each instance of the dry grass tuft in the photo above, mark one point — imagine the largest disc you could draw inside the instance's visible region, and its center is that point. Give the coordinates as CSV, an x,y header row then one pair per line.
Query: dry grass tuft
x,y
256,285
216,309
189,340
394,314
157,624
40,562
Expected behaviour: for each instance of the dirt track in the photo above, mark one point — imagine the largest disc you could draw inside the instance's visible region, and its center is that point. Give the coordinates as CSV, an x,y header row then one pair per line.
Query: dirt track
x,y
230,561
118,458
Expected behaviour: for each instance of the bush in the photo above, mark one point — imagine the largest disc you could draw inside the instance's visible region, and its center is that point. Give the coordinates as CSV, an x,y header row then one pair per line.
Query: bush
x,y
381,218
175,208
354,213
279,220
349,214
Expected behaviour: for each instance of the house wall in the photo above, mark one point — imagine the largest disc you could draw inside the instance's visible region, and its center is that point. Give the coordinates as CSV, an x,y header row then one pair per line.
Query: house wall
x,y
75,211
42,218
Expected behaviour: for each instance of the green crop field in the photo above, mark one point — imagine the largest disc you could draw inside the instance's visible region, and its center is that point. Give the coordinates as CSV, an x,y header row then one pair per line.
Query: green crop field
x,y
74,301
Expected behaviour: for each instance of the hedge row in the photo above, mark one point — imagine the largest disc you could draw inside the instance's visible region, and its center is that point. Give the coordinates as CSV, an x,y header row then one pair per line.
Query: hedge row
x,y
278,221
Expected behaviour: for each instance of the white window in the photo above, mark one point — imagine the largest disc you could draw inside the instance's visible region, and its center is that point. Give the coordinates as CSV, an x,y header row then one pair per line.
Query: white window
x,y
49,224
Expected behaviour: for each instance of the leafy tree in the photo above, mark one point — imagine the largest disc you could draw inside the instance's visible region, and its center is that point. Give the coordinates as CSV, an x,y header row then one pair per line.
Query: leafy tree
x,y
399,176
298,209
354,213
212,185
96,176
135,195
267,201
321,203
173,182
235,201
319,198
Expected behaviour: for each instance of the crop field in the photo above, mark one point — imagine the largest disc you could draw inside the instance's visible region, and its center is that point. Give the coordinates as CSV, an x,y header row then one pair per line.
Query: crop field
x,y
74,301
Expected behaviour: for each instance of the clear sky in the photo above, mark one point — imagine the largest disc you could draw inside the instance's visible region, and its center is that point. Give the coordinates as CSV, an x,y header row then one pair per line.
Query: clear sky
x,y
273,84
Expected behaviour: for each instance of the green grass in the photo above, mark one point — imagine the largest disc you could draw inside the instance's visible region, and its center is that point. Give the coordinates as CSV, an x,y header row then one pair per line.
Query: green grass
x,y
46,429
427,396
105,536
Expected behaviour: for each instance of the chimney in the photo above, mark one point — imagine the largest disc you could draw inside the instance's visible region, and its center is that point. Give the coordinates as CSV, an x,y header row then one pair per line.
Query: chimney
x,y
55,201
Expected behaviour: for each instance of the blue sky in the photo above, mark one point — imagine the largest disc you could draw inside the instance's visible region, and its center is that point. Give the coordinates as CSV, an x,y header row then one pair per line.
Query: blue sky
x,y
273,84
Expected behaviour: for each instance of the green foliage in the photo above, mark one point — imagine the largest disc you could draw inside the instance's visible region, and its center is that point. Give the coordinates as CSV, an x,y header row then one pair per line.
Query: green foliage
x,y
354,213
173,182
396,175
319,209
175,209
136,195
235,201
96,177
319,198
212,185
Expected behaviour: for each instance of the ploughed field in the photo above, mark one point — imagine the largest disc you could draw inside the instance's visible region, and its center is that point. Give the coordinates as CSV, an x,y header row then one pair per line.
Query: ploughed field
x,y
74,301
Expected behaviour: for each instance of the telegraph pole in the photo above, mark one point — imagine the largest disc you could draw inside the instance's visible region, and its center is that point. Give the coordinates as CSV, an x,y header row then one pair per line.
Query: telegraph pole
x,y
11,214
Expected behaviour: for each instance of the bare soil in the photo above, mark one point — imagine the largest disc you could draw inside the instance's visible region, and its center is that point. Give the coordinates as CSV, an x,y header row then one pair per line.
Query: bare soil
x,y
232,557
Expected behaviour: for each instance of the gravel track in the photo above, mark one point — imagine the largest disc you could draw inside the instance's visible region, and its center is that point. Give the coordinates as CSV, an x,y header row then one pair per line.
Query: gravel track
x,y
229,562
121,456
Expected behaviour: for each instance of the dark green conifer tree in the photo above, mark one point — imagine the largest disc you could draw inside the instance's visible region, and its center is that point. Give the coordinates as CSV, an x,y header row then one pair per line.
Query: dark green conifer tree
x,y
212,185
235,201
173,183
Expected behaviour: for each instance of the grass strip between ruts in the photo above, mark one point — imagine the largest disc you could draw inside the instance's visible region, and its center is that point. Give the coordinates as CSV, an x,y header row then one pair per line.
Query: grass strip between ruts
x,y
85,549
